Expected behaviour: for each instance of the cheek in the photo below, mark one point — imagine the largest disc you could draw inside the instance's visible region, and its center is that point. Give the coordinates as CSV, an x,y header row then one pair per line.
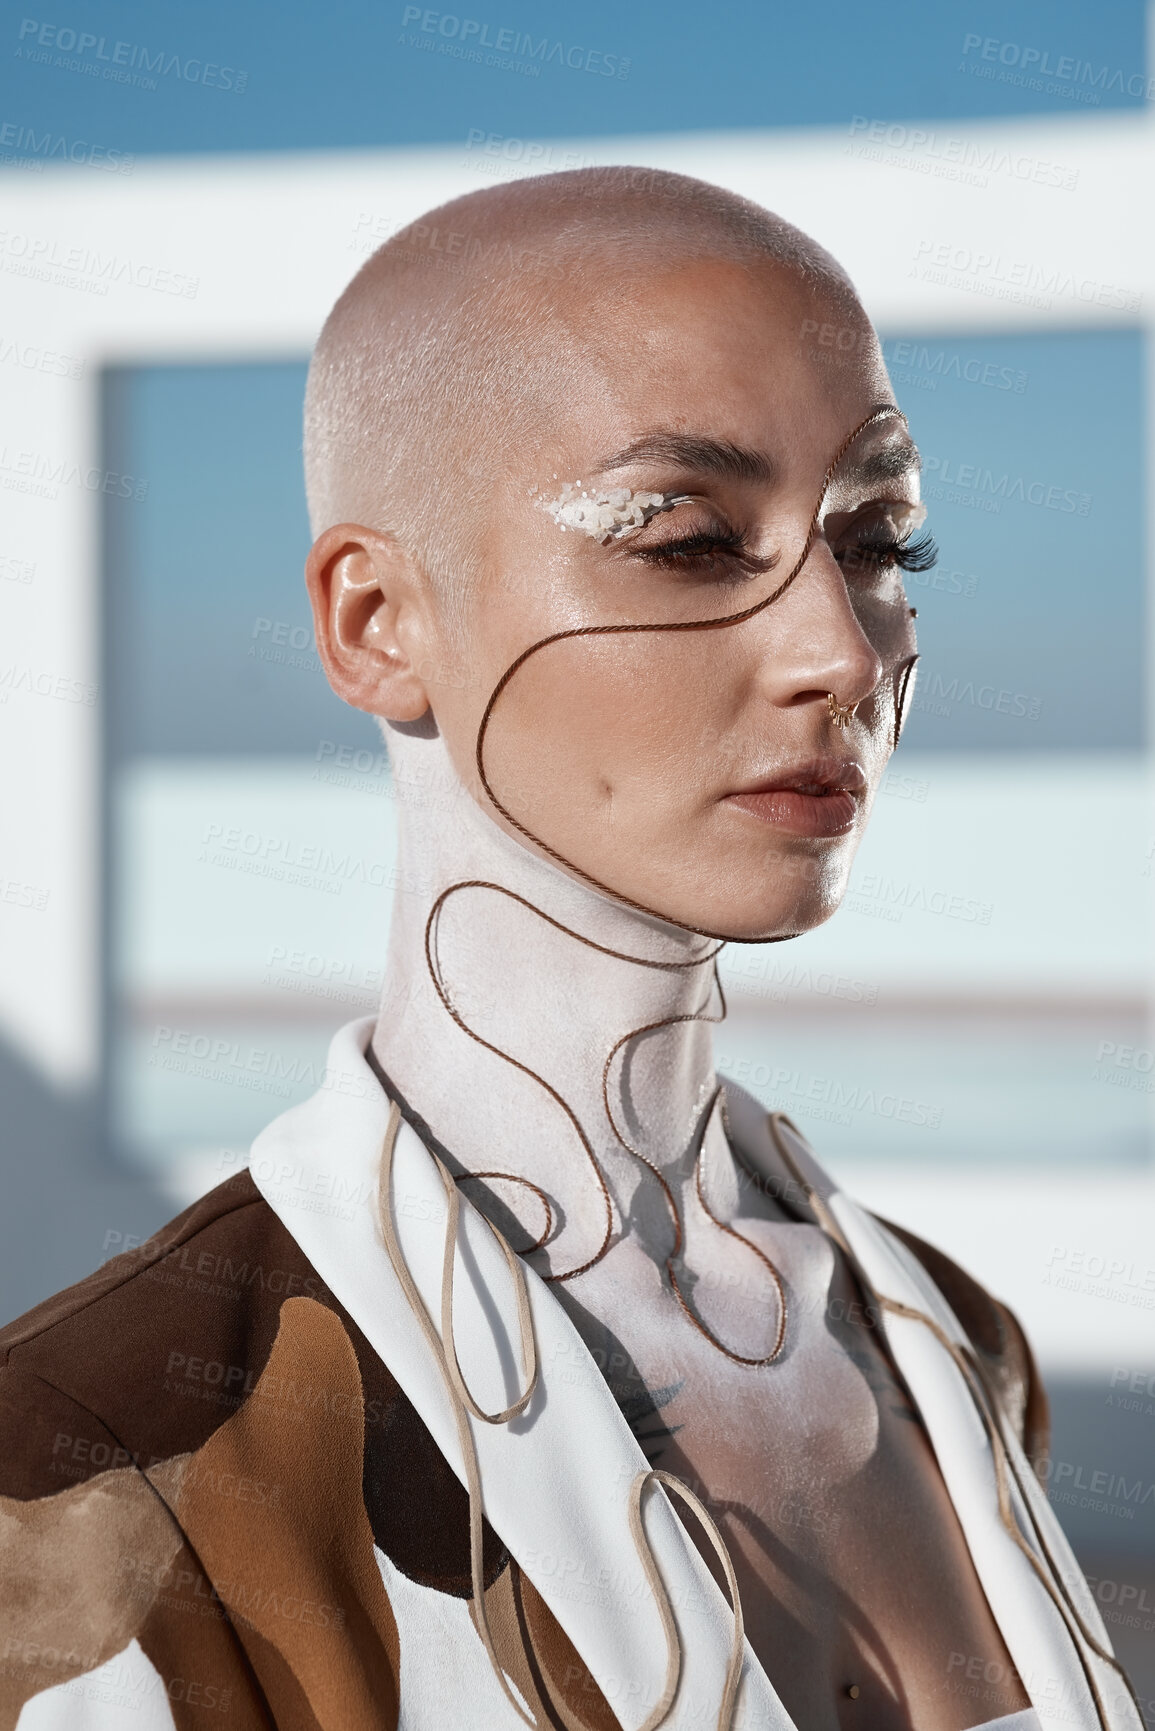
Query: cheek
x,y
508,612
895,645
637,721
887,623
883,611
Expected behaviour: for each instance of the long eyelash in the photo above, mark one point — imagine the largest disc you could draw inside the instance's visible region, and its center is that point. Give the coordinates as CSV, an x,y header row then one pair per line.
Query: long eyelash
x,y
920,555
703,548
709,545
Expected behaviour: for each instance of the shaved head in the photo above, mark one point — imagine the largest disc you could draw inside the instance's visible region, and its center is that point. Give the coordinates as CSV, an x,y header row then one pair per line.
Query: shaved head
x,y
569,444
457,341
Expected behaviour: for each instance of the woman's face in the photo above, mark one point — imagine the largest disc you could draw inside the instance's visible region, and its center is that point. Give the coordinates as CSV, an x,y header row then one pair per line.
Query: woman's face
x,y
698,773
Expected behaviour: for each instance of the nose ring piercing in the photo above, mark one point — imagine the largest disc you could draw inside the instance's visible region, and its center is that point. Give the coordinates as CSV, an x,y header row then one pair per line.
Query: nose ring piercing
x,y
840,713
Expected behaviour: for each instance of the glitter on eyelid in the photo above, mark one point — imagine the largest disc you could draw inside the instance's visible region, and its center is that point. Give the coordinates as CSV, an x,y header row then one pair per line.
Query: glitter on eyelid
x,y
610,515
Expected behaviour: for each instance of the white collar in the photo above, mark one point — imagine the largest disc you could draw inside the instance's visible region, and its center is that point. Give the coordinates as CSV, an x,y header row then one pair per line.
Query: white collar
x,y
1052,1661
555,1481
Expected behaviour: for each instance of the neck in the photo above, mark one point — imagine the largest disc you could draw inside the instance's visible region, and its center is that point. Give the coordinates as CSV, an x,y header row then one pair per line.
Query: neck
x,y
553,1003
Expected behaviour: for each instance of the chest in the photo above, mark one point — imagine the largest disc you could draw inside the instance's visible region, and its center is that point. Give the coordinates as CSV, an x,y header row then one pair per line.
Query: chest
x,y
851,1562
768,1364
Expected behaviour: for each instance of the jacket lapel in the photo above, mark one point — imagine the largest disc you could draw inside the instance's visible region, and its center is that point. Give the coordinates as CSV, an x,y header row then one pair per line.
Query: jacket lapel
x,y
1053,1662
556,1480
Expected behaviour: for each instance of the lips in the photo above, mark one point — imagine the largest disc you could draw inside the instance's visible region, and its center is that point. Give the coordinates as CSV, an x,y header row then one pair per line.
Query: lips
x,y
817,798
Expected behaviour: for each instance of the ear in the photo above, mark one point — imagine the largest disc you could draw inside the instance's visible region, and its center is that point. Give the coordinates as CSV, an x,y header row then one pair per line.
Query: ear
x,y
370,619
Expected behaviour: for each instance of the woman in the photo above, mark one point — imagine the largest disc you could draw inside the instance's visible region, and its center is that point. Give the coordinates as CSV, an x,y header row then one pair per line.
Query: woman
x,y
616,556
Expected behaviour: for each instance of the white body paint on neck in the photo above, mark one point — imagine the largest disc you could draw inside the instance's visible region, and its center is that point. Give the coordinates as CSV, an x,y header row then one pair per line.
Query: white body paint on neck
x,y
559,1006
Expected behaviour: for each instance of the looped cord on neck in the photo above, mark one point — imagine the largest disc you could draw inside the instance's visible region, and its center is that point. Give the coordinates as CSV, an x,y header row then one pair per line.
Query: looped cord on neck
x,y
434,970
529,1363
899,685
702,1015
444,1351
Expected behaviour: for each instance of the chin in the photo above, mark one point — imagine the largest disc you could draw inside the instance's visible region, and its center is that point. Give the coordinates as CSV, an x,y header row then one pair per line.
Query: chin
x,y
756,917
775,926
779,888
783,896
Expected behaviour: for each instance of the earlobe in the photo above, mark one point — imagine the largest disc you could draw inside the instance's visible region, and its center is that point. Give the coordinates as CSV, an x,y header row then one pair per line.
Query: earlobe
x,y
368,620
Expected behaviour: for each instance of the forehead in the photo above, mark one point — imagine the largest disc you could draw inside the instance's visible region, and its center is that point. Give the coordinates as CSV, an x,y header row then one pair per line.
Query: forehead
x,y
660,306
720,346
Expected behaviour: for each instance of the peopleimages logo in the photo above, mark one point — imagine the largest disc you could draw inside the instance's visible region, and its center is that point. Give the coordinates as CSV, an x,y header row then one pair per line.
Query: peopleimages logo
x,y
921,359
472,34
1010,279
931,152
1035,64
124,60
41,147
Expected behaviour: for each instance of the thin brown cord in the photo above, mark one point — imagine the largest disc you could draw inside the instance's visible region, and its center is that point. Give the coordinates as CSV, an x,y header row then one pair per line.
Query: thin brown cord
x,y
990,1414
1055,1587
440,1358
883,412
444,1350
524,1319
817,1203
513,1178
880,413
772,1270
671,1200
902,675
635,1033
662,1598
526,1069
1044,1546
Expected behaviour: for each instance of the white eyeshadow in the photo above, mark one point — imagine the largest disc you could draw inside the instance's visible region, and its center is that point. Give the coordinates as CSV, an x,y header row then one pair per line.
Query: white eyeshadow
x,y
610,515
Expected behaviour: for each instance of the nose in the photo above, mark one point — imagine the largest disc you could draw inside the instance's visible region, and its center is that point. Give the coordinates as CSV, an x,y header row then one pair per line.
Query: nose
x,y
813,642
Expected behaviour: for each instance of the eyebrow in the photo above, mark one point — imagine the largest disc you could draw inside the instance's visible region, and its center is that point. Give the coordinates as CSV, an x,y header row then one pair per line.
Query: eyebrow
x,y
721,457
705,456
891,463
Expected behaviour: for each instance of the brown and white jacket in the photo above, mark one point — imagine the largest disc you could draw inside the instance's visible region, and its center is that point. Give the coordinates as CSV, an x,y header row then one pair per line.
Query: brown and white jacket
x,y
231,1487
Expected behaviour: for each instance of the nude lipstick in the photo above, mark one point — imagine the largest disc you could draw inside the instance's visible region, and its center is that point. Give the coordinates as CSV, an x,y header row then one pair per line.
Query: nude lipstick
x,y
819,798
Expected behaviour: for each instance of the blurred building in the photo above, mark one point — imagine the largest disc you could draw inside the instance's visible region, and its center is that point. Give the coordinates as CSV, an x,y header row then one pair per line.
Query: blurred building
x,y
198,834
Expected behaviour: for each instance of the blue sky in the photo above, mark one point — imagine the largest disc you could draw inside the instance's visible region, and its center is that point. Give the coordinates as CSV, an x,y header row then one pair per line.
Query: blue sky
x,y
378,72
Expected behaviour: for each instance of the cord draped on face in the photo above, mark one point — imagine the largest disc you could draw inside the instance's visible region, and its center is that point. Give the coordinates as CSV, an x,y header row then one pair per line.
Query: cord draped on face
x,y
900,683
883,412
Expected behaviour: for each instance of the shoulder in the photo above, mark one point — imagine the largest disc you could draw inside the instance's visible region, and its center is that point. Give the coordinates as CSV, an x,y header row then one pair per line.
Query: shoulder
x,y
214,1354
777,1154
1001,1348
141,1359
198,1220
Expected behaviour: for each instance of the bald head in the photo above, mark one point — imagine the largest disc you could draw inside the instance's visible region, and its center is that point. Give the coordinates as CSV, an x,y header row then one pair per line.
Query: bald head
x,y
455,343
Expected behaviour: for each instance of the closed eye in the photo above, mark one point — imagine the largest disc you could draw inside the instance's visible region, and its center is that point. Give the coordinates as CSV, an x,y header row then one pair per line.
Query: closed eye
x,y
714,552
888,552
